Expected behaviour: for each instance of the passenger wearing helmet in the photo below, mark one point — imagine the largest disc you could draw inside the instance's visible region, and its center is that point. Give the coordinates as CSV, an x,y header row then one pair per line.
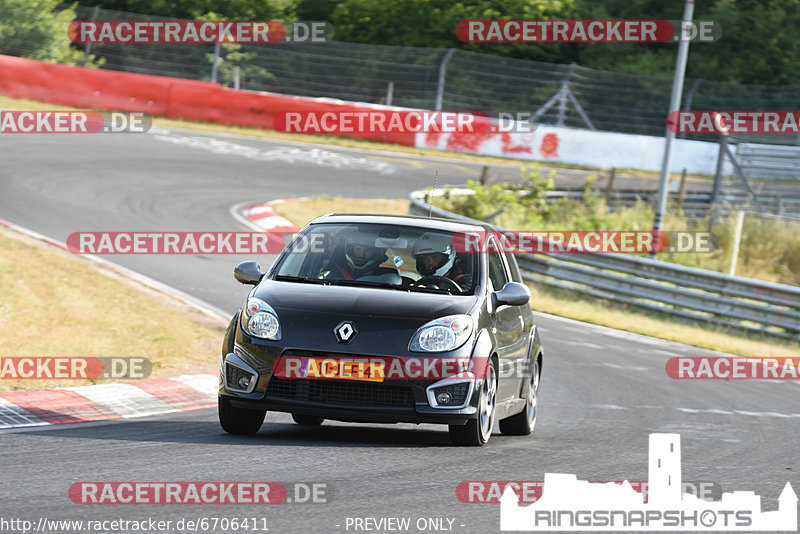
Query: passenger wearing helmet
x,y
436,256
360,258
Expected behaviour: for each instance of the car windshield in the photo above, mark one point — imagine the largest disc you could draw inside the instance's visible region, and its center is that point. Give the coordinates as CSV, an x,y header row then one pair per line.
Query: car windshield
x,y
379,255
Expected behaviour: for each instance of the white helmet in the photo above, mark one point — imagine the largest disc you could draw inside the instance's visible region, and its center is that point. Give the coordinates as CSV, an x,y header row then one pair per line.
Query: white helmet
x,y
431,243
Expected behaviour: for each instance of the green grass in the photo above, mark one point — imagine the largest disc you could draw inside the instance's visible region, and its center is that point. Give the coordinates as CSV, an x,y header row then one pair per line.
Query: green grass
x,y
75,307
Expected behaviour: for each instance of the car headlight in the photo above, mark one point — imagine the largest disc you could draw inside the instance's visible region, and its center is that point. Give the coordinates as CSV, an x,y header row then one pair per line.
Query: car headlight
x,y
260,320
442,335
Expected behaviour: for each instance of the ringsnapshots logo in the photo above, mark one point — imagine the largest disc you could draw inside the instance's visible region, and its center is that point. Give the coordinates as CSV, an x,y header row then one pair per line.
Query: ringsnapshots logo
x,y
569,504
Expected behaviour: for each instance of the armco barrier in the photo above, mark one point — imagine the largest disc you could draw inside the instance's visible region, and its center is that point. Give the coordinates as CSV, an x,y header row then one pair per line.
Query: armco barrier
x,y
210,102
163,96
205,101
698,294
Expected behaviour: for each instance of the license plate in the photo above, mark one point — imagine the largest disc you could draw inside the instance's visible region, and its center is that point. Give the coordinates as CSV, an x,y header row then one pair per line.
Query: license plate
x,y
341,369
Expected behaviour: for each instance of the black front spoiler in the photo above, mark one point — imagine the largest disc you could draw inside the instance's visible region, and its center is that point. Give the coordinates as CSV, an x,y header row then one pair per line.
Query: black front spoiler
x,y
360,414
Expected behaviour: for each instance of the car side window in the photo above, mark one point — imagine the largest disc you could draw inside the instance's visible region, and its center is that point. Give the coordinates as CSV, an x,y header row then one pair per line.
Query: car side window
x,y
497,271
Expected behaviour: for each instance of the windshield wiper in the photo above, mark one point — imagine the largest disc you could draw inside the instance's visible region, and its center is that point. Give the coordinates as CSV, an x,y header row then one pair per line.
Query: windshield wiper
x,y
287,278
369,283
361,283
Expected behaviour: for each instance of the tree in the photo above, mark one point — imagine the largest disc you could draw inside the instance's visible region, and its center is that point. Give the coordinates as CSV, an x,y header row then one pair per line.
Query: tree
x,y
194,9
36,29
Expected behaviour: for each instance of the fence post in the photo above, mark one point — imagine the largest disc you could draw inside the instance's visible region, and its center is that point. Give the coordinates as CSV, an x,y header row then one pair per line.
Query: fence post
x,y
610,187
737,237
87,48
216,63
563,95
712,207
669,135
484,179
682,189
389,93
442,73
236,78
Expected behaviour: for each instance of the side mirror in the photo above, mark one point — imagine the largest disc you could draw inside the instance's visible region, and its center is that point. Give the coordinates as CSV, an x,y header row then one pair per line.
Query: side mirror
x,y
512,294
248,272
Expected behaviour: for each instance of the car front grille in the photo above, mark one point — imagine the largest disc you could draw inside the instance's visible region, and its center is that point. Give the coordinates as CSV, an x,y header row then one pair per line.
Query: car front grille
x,y
341,392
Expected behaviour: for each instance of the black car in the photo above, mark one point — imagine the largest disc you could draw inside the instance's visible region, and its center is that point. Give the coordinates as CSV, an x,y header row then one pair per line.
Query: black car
x,y
367,318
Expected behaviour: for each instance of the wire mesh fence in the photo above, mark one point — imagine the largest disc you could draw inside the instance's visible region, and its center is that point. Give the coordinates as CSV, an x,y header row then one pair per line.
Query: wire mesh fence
x,y
568,95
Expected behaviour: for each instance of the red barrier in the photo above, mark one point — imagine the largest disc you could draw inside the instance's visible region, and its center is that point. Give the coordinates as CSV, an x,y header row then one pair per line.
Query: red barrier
x,y
160,96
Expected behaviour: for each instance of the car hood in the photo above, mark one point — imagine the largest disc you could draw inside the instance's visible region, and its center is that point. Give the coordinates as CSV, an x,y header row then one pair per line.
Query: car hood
x,y
297,297
384,319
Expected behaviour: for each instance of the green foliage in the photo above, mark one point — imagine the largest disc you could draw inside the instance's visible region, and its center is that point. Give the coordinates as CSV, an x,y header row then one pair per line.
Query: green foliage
x,y
194,9
760,42
768,249
231,56
501,202
35,29
433,22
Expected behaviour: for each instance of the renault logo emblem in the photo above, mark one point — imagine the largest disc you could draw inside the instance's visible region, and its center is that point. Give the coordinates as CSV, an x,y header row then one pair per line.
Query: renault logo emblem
x,y
345,331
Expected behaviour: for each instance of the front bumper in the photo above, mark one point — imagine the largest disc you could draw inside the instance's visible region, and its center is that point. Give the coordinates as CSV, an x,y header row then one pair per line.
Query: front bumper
x,y
391,401
417,414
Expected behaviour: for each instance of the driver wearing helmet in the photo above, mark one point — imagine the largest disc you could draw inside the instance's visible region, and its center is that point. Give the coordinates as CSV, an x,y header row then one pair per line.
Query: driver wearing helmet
x,y
436,256
361,258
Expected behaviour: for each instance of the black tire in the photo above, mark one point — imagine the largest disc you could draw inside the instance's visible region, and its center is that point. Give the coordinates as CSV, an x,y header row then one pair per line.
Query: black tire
x,y
478,431
239,421
522,424
307,420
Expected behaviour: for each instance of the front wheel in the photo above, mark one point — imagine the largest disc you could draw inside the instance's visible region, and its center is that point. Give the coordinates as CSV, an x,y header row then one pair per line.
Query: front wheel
x,y
239,420
522,424
478,431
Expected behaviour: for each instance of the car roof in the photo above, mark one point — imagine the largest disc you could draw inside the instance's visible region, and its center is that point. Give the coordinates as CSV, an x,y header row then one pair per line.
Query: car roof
x,y
432,223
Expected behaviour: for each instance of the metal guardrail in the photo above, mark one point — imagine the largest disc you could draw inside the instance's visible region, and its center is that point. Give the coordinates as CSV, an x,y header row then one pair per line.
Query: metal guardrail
x,y
698,294
694,204
774,162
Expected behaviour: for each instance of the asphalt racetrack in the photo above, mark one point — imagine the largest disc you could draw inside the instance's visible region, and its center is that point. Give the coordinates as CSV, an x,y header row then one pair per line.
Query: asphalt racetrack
x,y
602,393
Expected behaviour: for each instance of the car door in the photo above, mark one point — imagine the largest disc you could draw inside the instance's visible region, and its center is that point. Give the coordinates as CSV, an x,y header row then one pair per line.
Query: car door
x,y
507,328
